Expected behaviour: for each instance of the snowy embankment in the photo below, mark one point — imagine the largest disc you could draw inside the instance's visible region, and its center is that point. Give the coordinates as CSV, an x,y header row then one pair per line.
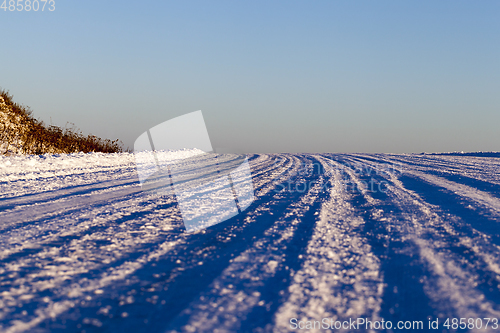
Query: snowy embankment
x,y
337,236
12,128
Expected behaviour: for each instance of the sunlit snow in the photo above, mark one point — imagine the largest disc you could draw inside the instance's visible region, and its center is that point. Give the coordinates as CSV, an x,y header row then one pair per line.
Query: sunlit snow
x,y
378,236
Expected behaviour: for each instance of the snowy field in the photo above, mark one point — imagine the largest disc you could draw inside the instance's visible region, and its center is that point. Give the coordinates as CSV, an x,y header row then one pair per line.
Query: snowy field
x,y
336,236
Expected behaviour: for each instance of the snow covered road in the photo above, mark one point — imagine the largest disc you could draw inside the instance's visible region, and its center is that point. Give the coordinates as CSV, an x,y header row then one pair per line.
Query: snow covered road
x,y
337,236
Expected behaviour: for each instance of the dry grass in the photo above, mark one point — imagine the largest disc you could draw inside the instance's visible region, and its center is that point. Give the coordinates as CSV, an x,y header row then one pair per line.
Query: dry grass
x,y
27,135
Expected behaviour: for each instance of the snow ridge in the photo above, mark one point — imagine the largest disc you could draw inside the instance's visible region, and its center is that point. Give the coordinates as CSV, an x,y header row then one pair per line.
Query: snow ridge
x,y
334,236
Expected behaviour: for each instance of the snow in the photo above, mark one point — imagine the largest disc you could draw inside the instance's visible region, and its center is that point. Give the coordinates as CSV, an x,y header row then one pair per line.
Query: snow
x,y
375,236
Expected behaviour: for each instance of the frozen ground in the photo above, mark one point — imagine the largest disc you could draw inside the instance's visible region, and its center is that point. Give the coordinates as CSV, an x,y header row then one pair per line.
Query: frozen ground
x,y
393,237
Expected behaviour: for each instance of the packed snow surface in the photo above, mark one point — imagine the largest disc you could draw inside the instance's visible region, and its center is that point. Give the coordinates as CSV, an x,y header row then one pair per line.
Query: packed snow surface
x,y
337,236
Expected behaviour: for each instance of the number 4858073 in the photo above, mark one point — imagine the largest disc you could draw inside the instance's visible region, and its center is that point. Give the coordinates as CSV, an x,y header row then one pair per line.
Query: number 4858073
x,y
28,5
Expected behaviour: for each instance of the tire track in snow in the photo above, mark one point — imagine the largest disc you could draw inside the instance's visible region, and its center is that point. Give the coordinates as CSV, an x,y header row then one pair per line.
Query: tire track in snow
x,y
481,198
242,287
386,232
340,277
450,284
482,174
126,268
70,225
199,247
68,215
121,210
480,206
437,262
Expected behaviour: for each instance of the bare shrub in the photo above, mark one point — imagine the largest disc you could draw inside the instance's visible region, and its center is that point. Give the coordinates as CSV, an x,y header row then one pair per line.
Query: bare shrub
x,y
20,132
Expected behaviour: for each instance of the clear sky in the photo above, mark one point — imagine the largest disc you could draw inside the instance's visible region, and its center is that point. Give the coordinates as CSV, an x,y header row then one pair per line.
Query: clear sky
x,y
269,76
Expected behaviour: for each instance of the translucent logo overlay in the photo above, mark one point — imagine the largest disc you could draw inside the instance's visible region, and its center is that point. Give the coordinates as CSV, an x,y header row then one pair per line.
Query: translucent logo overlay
x,y
176,158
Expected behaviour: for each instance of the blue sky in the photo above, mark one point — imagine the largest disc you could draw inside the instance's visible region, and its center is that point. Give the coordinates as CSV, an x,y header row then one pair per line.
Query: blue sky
x,y
269,76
